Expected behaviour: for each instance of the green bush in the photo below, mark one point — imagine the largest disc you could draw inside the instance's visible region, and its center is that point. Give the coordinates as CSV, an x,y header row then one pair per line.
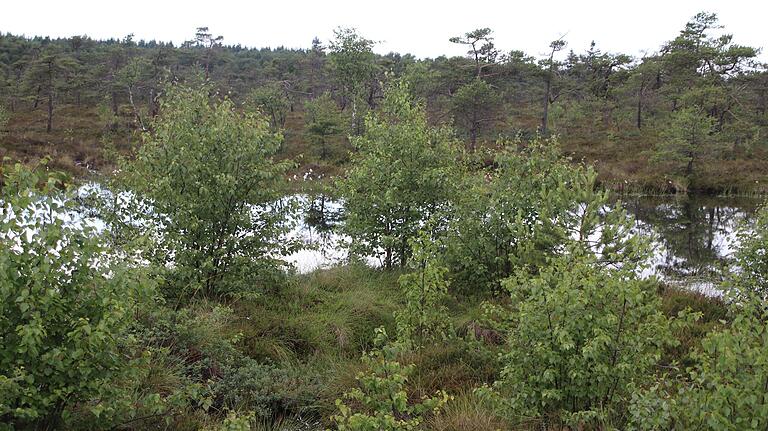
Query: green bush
x,y
401,176
526,207
64,306
261,388
424,318
724,390
206,173
380,402
582,335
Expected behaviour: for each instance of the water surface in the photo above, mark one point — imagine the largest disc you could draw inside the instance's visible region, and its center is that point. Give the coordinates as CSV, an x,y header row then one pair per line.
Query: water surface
x,y
695,237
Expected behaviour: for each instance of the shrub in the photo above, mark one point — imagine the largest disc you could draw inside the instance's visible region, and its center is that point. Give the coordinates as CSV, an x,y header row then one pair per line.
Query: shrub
x,y
528,205
324,121
207,173
724,390
261,388
64,305
400,177
380,399
424,318
581,336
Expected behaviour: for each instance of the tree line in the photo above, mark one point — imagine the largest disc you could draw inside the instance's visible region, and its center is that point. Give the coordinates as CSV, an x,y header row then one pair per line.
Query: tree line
x,y
696,103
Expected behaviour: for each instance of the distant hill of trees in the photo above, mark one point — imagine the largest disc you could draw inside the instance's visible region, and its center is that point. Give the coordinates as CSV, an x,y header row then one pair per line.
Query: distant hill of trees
x,y
692,115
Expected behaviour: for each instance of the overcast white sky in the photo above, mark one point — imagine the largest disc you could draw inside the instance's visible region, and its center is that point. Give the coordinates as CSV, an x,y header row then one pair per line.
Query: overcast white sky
x,y
421,27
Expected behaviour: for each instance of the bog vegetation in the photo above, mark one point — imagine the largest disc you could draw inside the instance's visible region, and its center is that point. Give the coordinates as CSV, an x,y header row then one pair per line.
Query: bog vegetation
x,y
509,293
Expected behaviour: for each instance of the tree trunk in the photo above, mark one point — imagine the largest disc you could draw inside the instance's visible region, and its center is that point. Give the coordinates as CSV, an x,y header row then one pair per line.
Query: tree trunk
x,y
37,98
640,108
545,113
49,126
323,150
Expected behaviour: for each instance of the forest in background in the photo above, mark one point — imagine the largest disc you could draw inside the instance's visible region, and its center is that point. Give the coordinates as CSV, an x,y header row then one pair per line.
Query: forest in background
x,y
692,115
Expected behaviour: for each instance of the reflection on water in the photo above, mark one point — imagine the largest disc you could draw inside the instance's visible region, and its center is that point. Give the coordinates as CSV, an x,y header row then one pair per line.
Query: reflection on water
x,y
694,236
316,225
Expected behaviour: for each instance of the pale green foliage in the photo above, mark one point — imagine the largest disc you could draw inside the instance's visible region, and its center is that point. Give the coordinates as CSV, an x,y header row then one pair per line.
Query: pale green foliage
x,y
402,175
751,278
581,335
685,139
237,421
63,306
207,172
424,318
381,395
726,389
271,100
528,206
353,63
323,122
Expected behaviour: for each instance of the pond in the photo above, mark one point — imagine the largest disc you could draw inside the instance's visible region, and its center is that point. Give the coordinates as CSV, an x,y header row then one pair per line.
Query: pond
x,y
694,237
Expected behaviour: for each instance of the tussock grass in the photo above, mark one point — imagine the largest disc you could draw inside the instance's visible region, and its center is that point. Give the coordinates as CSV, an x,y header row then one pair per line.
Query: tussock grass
x,y
467,412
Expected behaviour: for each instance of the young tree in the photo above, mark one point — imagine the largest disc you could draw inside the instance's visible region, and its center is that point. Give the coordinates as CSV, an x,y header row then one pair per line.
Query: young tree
x,y
481,48
323,122
581,337
380,402
271,100
353,64
47,73
400,177
476,108
317,79
528,205
687,137
207,172
424,319
134,77
550,66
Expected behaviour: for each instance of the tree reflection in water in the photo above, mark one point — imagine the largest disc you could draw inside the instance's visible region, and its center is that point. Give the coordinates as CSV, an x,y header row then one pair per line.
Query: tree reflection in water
x,y
696,234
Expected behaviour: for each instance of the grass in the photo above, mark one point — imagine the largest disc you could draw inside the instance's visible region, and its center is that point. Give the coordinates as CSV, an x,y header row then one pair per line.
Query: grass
x,y
467,412
621,156
314,330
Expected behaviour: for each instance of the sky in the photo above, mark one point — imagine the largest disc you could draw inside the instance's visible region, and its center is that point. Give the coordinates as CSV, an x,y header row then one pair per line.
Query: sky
x,y
419,27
